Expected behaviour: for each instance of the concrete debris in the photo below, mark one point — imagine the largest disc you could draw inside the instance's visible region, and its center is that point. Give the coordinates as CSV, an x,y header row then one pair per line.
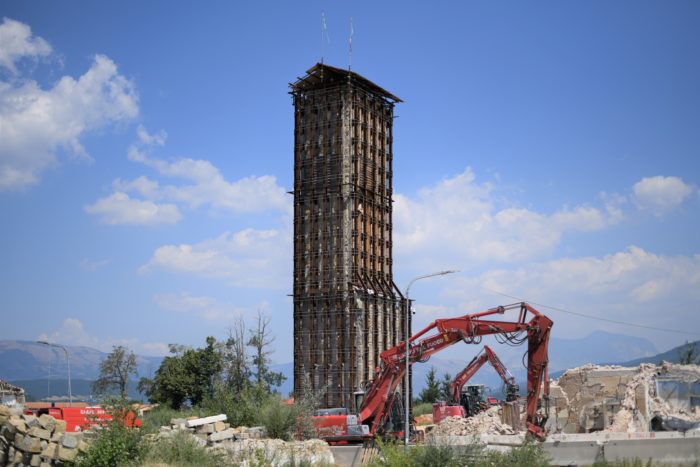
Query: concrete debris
x,y
278,453
486,422
247,445
626,400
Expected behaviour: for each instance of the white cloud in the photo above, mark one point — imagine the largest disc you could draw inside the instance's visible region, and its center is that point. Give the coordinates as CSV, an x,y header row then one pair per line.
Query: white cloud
x,y
204,184
17,42
248,258
72,332
208,185
660,195
457,221
36,123
204,307
632,285
93,265
119,208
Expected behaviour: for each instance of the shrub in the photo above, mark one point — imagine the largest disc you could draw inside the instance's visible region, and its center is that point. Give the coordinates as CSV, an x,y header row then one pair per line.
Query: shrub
x,y
427,455
422,409
116,445
279,419
161,416
180,450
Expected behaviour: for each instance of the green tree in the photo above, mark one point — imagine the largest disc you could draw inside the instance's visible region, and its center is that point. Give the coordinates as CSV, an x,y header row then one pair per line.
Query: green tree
x,y
171,383
445,391
261,342
688,353
115,371
187,376
431,393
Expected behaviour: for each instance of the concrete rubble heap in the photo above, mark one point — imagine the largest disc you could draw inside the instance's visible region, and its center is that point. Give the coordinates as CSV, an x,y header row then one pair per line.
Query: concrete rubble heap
x,y
245,445
621,399
36,441
486,422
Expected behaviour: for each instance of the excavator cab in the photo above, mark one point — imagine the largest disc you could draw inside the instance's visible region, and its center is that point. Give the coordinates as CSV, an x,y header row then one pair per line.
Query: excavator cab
x,y
472,399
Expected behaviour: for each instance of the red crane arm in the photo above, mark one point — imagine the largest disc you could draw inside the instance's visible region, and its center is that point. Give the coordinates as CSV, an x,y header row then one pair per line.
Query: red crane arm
x,y
465,375
380,393
470,370
498,366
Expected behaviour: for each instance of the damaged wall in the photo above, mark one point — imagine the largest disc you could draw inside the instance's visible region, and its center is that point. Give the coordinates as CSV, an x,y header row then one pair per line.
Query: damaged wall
x,y
621,399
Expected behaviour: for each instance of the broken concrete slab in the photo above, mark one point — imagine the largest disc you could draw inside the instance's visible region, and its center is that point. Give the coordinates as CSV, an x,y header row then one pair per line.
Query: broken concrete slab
x,y
203,421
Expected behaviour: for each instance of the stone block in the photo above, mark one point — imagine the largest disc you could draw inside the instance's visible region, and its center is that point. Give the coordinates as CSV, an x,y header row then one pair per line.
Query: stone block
x,y
83,446
242,436
220,426
203,421
31,420
8,431
206,429
60,426
178,421
70,440
47,422
49,452
221,435
39,432
257,432
45,464
35,461
5,411
30,444
56,437
3,458
66,454
19,425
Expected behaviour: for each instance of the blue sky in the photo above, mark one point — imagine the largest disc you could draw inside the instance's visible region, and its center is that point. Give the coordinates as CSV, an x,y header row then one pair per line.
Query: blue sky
x,y
548,150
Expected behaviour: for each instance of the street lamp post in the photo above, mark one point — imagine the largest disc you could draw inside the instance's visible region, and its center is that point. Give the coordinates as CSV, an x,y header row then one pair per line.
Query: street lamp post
x,y
408,350
70,391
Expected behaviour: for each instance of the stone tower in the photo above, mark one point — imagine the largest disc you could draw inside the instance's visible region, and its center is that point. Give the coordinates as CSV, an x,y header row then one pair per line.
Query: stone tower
x,y
347,309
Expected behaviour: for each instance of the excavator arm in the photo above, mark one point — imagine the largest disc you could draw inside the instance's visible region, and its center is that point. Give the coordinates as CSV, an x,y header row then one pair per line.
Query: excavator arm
x,y
477,362
465,375
443,333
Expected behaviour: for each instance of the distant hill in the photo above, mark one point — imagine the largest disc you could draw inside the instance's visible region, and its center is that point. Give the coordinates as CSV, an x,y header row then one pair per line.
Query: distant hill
x,y
38,389
672,356
27,360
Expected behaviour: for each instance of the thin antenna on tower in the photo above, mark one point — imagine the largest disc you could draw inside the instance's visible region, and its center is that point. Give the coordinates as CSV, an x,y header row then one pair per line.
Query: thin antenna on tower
x,y
350,47
324,33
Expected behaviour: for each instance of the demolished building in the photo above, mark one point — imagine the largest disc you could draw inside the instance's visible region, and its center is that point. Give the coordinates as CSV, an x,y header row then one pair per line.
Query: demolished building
x,y
622,399
11,395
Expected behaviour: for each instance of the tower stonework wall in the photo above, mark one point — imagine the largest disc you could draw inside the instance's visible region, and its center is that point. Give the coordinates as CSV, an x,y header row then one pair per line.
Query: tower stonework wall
x,y
347,309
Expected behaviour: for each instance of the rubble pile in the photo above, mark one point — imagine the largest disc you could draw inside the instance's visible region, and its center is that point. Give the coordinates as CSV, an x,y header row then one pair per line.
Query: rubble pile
x,y
36,441
275,452
622,399
247,445
210,431
486,422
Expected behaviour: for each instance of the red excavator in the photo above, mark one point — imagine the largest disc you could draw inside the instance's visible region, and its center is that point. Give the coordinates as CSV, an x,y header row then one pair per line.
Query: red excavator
x,y
469,402
381,400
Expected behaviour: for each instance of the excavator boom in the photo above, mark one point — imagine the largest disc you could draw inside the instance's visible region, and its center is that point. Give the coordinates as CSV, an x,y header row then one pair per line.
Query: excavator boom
x,y
443,333
486,355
